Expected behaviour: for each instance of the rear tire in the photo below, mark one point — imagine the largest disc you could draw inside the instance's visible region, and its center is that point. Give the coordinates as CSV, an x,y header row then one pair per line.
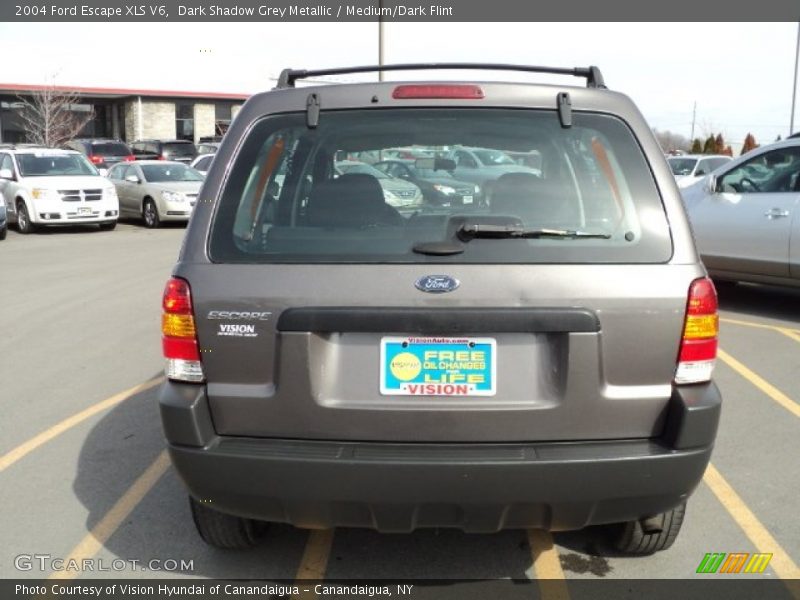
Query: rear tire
x,y
24,224
630,538
224,531
150,214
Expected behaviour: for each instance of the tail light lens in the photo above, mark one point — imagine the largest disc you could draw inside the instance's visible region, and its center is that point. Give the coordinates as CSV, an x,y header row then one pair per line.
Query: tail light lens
x,y
95,159
162,157
130,158
179,335
700,330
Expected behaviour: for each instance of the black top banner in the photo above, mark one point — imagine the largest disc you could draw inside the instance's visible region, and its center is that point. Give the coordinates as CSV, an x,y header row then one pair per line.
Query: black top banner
x,y
392,10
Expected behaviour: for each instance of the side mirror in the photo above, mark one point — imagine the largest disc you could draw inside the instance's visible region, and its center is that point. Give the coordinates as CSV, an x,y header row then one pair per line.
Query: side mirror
x,y
6,174
133,179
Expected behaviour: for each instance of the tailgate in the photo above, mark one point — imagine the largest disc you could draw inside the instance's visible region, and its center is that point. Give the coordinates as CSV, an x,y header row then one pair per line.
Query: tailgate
x,y
571,352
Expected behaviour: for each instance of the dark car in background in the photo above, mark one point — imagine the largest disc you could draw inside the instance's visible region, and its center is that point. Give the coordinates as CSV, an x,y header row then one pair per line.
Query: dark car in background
x,y
102,153
181,150
434,178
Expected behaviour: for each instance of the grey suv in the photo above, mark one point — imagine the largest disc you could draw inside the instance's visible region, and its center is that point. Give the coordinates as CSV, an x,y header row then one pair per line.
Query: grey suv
x,y
540,360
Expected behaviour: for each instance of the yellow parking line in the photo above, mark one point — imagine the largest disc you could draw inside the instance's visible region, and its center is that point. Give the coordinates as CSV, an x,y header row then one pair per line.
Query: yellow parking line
x,y
781,562
315,559
761,383
791,333
100,533
787,331
32,444
547,566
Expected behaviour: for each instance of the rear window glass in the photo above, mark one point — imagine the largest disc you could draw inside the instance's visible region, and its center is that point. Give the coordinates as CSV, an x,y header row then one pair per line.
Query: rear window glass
x,y
304,195
110,149
175,149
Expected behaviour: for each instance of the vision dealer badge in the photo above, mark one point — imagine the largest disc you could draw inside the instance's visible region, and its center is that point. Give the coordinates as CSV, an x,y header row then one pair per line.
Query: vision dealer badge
x,y
237,330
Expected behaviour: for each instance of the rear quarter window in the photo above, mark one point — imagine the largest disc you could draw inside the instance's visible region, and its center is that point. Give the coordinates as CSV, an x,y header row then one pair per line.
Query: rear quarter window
x,y
110,149
293,194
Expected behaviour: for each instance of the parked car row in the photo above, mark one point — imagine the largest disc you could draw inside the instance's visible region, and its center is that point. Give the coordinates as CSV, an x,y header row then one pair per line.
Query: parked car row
x,y
104,153
49,186
415,177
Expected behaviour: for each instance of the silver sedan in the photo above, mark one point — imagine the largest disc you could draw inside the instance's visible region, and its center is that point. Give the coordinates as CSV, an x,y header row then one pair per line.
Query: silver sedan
x,y
746,216
156,190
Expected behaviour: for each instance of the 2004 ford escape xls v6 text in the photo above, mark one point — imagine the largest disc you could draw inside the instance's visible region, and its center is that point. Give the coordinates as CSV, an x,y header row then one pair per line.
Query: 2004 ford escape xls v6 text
x,y
537,353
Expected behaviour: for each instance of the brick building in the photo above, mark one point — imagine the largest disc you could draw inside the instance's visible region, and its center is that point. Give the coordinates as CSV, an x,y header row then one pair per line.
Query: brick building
x,y
130,114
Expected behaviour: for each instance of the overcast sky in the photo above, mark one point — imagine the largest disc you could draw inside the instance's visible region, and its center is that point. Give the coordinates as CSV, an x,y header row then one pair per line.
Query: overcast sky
x,y
740,74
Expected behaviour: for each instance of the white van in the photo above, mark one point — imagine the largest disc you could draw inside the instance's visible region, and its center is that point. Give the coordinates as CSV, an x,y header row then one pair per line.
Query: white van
x,y
44,186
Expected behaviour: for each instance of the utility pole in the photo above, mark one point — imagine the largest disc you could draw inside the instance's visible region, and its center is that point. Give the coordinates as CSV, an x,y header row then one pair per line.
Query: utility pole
x,y
380,38
794,86
694,115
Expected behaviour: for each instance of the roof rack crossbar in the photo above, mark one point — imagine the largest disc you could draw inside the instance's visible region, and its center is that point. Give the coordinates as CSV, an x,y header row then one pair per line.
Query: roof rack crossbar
x,y
594,78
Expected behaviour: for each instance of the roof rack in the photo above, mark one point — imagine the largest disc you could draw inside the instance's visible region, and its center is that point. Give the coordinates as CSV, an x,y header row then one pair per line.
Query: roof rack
x,y
594,79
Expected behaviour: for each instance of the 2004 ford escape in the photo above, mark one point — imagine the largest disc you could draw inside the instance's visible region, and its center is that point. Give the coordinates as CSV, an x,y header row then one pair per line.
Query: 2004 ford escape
x,y
536,352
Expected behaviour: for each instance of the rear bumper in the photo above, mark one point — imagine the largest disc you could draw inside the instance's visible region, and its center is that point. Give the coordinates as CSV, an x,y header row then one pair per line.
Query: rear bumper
x,y
476,487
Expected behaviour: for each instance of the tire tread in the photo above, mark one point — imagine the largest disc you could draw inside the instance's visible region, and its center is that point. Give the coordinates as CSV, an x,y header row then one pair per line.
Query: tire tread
x,y
225,531
631,539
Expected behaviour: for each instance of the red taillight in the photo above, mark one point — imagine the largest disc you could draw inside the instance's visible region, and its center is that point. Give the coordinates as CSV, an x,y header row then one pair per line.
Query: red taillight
x,y
463,92
177,297
181,349
95,159
179,336
130,158
700,330
162,157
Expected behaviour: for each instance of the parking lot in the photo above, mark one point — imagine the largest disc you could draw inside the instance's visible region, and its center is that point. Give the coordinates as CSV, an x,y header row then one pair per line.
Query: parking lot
x,y
84,473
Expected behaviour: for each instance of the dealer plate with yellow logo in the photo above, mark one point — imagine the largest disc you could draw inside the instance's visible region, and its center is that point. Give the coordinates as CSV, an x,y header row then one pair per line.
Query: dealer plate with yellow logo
x,y
438,366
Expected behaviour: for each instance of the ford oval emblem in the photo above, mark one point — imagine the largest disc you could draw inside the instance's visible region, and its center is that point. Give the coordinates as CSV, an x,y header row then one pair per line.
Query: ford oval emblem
x,y
436,284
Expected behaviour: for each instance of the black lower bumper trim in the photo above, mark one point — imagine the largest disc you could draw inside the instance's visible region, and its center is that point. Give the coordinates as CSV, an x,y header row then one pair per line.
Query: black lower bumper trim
x,y
475,487
479,487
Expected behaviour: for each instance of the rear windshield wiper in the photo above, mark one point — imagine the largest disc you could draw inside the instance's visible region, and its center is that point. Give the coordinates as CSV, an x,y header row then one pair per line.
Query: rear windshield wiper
x,y
470,231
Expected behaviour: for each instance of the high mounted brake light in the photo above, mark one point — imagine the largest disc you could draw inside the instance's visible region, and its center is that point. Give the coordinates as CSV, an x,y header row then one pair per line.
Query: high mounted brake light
x,y
462,92
700,330
179,335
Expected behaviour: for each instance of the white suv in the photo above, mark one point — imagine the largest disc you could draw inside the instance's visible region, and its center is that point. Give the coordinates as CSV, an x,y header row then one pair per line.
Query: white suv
x,y
43,186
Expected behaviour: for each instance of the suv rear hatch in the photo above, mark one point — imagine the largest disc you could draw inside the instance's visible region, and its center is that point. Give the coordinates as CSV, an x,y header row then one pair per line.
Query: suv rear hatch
x,y
545,310
107,154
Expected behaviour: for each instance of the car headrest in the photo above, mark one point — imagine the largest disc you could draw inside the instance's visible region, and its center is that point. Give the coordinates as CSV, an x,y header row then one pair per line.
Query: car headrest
x,y
351,200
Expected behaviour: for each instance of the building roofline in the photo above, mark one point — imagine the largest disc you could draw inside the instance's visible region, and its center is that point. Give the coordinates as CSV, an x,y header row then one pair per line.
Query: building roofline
x,y
119,92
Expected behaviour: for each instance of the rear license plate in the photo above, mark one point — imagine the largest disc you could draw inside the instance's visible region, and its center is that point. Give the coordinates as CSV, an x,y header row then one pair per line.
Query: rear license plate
x,y
84,210
467,199
438,366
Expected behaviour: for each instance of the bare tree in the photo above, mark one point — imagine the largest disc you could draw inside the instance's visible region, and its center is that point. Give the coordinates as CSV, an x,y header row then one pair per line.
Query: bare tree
x,y
50,118
671,142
